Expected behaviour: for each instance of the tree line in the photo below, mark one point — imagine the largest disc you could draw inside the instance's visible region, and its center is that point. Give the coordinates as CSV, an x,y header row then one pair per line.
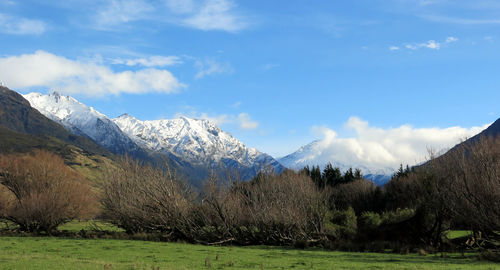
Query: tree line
x,y
459,190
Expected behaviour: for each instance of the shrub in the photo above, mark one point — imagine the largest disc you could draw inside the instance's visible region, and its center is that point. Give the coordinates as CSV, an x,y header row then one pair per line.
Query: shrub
x,y
140,198
361,195
369,220
397,216
344,223
43,192
270,209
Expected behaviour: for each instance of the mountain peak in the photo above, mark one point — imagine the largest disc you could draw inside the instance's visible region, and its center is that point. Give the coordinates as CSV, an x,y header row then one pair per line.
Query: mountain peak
x,y
56,95
126,115
197,142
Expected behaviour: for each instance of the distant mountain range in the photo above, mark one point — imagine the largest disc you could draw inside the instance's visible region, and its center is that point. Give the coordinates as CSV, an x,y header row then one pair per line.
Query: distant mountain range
x,y
308,154
195,147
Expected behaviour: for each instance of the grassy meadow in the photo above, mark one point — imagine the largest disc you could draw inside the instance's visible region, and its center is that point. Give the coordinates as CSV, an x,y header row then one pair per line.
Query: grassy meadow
x,y
62,253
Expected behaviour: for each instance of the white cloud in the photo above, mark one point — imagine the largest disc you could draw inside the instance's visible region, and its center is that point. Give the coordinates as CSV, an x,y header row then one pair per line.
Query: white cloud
x,y
375,147
216,119
121,11
152,61
242,120
213,15
181,6
210,67
219,120
204,15
451,39
43,69
21,26
431,44
246,122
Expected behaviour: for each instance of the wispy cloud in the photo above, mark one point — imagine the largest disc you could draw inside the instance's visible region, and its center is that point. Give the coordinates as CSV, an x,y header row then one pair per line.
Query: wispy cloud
x,y
236,105
431,44
457,20
241,120
210,66
21,26
207,15
270,66
152,61
43,69
116,12
383,148
246,122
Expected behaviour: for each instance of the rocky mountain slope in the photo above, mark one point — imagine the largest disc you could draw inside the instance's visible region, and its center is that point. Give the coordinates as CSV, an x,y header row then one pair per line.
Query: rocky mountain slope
x,y
84,121
196,146
196,140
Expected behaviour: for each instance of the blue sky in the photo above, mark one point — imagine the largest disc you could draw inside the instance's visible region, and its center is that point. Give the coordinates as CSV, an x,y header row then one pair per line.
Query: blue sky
x,y
276,74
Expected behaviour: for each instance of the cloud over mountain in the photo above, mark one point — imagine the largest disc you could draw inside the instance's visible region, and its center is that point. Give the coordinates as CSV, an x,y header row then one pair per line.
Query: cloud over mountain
x,y
379,148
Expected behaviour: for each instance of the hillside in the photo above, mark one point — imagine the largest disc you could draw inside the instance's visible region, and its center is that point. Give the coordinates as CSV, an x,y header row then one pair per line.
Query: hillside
x,y
23,129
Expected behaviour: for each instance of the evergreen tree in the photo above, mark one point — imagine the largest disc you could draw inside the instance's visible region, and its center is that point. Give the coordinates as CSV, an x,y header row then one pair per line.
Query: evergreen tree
x,y
331,176
316,176
348,176
408,170
357,174
306,170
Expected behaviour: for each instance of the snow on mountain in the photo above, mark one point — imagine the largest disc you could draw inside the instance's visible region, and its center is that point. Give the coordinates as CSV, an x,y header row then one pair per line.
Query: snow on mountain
x,y
83,120
311,155
196,140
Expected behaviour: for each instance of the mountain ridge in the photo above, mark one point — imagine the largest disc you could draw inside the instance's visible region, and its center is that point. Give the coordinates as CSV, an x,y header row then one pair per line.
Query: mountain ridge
x,y
196,146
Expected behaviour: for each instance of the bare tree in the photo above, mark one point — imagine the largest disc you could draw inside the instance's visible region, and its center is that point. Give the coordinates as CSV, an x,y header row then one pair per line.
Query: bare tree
x,y
471,174
43,191
140,198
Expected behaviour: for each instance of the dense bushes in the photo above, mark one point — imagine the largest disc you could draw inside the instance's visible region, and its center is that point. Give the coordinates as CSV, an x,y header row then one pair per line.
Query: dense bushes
x,y
271,209
416,208
38,192
140,198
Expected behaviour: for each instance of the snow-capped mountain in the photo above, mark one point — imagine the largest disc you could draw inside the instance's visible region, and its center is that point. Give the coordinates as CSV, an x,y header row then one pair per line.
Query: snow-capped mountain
x,y
198,141
311,155
193,146
85,121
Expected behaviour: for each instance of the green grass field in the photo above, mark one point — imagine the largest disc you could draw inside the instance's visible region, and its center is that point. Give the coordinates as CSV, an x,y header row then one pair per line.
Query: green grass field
x,y
60,253
457,234
75,226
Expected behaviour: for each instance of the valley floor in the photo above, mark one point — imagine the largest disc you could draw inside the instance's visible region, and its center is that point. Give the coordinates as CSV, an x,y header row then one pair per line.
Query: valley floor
x,y
62,253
